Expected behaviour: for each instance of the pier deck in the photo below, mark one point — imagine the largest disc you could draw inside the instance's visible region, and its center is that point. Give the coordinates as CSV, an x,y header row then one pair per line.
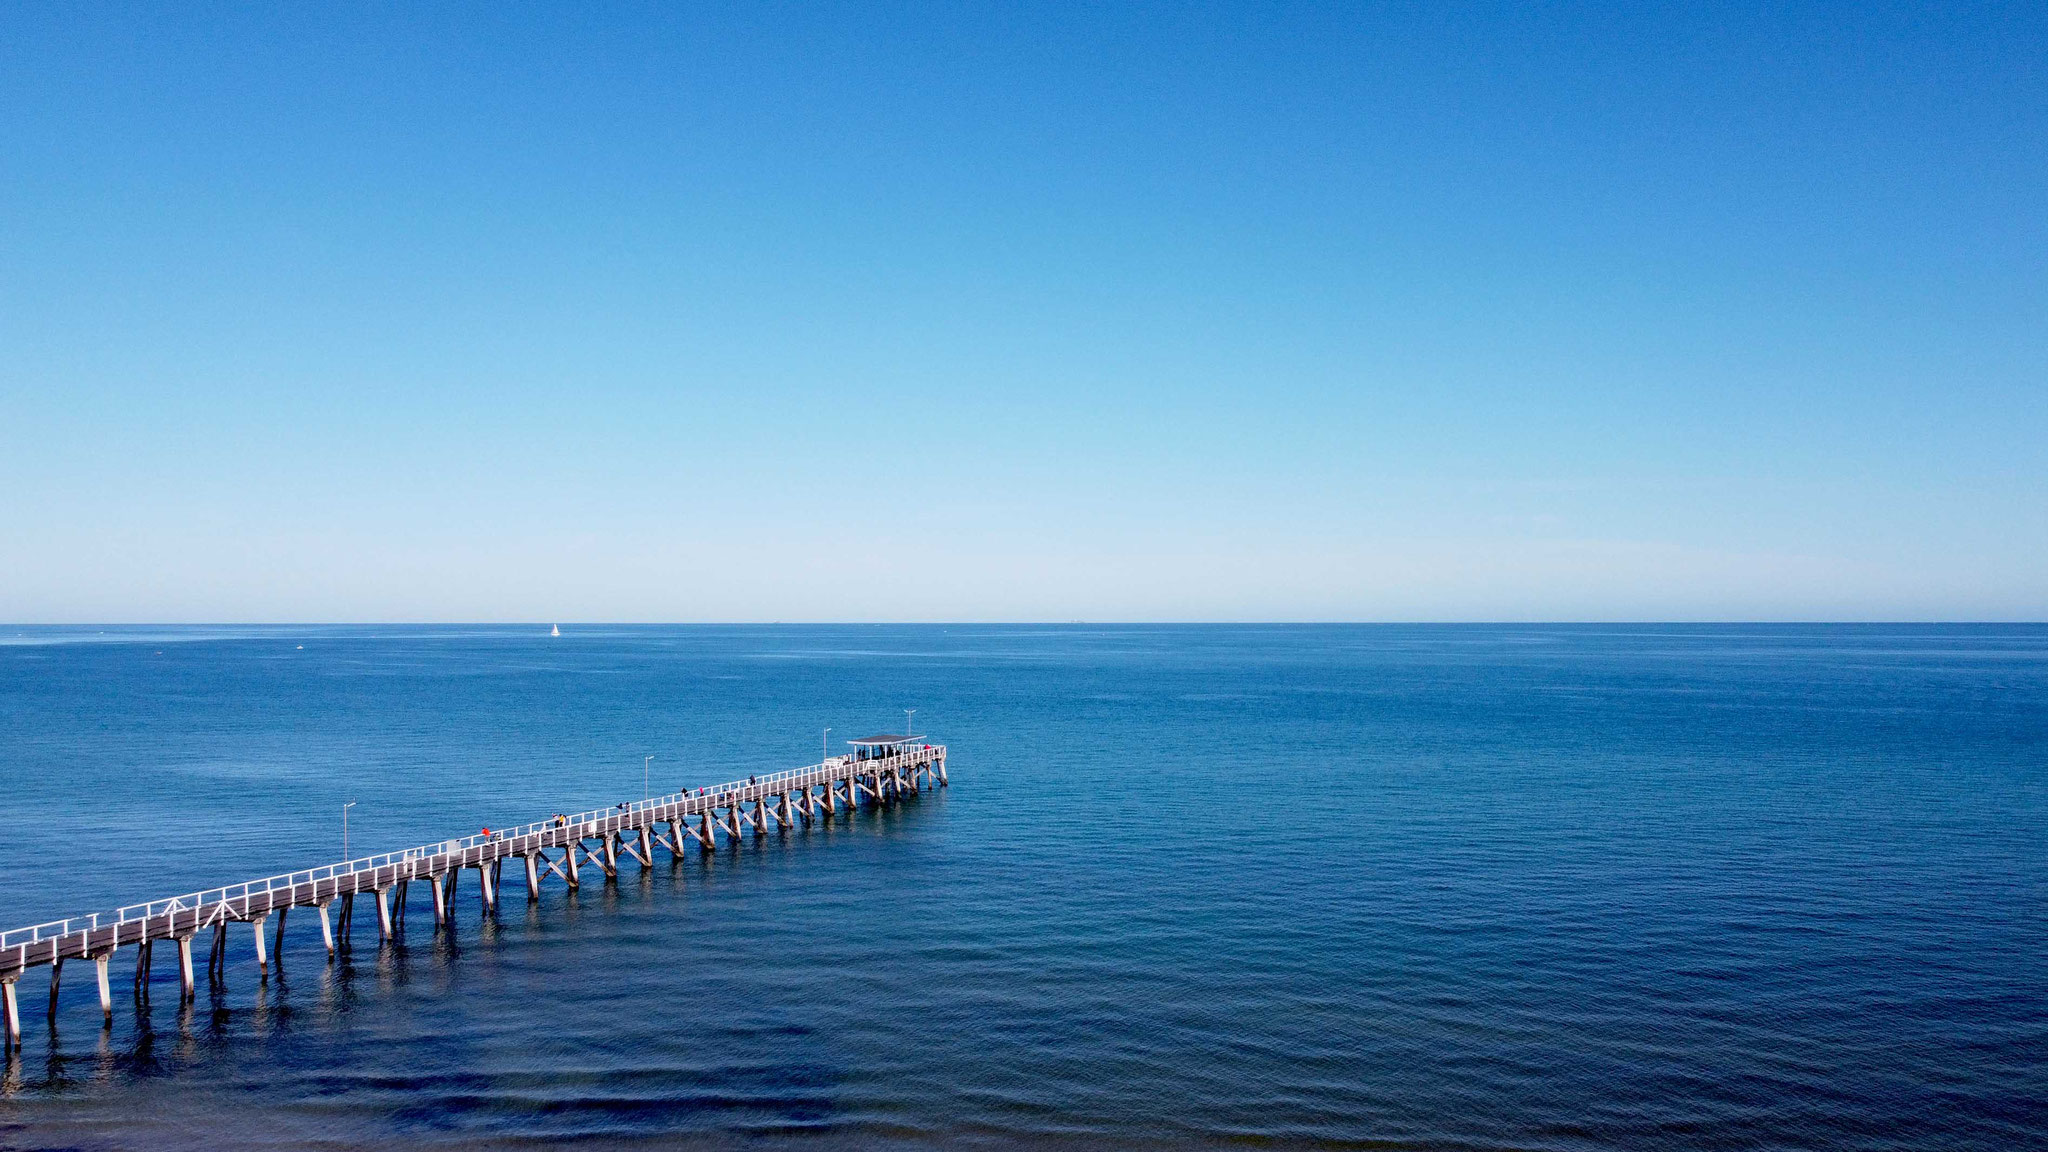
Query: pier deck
x,y
562,847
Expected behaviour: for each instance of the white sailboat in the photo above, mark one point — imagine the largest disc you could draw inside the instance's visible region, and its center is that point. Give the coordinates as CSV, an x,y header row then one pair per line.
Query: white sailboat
x,y
557,631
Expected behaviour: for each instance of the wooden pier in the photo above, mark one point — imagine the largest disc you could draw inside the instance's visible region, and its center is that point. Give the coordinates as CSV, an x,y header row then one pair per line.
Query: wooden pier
x,y
880,770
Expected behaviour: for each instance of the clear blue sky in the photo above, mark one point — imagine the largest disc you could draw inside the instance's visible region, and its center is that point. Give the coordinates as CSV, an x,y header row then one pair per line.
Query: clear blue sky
x,y
987,311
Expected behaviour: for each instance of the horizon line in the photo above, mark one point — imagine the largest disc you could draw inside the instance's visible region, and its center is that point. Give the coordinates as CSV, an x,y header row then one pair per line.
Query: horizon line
x,y
1042,623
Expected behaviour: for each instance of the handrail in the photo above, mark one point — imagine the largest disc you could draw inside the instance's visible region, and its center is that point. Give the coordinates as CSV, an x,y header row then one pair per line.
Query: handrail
x,y
149,910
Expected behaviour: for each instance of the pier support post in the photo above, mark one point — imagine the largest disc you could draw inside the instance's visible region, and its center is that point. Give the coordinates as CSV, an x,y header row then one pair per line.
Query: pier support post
x,y
56,974
262,953
216,954
532,879
440,900
575,874
646,849
185,992
782,811
277,941
610,857
384,930
102,962
488,889
326,928
144,953
708,837
12,1013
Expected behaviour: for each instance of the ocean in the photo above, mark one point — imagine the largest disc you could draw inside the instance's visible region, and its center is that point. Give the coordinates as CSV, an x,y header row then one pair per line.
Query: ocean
x,y
1387,887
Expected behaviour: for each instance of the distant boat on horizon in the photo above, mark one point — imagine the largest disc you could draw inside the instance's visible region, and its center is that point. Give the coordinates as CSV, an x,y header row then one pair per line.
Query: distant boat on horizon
x,y
555,631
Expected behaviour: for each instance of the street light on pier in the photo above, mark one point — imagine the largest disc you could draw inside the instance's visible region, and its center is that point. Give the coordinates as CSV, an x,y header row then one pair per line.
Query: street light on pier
x,y
344,828
646,779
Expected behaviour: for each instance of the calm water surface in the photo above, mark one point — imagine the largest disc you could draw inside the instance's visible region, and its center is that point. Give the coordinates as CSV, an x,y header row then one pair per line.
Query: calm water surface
x,y
1384,887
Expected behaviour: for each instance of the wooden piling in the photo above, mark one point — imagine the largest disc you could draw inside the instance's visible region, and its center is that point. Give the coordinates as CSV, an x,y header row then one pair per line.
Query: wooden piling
x,y
12,1013
102,962
217,956
185,982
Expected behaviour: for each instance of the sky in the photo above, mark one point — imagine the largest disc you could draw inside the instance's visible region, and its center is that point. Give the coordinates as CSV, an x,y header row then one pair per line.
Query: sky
x,y
1011,312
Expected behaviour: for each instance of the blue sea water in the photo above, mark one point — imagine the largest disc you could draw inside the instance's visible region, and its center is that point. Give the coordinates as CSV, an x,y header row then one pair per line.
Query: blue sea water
x,y
1373,887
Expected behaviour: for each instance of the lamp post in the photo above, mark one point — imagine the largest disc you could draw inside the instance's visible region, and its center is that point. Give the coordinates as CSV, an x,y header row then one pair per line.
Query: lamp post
x,y
344,828
825,747
907,714
646,779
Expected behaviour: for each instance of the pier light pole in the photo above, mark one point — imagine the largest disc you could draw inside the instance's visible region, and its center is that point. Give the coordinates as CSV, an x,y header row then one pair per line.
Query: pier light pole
x,y
825,746
646,776
344,828
907,714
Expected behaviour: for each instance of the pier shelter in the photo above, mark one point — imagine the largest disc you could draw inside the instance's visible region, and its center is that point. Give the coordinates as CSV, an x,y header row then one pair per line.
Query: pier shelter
x,y
883,746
